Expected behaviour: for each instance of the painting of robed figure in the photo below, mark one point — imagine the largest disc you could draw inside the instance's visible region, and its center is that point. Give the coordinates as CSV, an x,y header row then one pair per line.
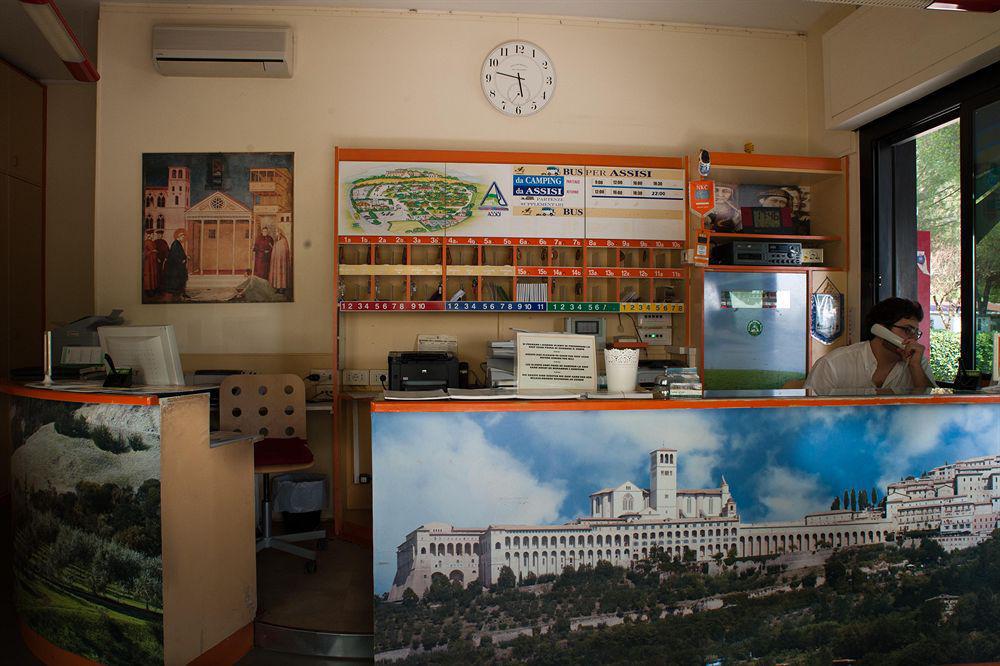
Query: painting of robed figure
x,y
217,227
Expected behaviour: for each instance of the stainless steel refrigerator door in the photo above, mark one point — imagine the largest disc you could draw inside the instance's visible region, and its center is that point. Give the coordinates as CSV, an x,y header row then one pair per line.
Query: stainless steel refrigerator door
x,y
755,329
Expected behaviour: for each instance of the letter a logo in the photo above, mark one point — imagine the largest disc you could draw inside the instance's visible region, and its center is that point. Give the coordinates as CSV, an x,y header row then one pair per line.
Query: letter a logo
x,y
493,199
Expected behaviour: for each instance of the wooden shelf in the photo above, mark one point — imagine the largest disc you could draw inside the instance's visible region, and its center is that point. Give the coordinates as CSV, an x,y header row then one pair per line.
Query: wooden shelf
x,y
791,237
743,169
769,269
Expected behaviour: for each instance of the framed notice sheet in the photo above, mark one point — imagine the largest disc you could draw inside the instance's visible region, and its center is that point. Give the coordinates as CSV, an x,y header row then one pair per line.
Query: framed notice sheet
x,y
556,360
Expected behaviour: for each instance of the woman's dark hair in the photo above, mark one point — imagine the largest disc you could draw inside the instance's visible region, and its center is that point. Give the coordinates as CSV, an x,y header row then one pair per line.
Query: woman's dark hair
x,y
891,310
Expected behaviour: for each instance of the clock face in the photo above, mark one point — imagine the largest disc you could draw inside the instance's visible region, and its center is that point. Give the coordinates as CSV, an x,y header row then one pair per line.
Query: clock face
x,y
518,78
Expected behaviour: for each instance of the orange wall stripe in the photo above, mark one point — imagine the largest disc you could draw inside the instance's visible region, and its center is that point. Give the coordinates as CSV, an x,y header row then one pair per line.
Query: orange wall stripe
x,y
68,396
488,157
403,406
228,650
48,653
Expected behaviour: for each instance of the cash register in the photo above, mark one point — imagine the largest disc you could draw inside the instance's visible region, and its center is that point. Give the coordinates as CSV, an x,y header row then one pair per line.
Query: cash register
x,y
423,371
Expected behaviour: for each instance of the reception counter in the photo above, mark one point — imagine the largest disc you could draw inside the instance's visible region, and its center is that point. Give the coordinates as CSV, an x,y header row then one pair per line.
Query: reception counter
x,y
133,537
777,525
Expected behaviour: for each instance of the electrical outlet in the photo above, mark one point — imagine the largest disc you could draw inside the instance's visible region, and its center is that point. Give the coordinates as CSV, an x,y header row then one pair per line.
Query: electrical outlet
x,y
325,375
355,378
378,378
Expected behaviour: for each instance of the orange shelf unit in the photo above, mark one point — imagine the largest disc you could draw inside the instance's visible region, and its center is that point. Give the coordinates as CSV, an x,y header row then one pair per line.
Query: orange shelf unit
x,y
827,180
400,273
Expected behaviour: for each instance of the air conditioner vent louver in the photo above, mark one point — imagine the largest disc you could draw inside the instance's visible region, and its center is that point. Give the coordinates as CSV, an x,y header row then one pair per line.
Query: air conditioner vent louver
x,y
223,51
901,4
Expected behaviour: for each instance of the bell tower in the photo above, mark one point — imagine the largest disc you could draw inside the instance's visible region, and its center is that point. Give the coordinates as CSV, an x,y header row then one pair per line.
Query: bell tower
x,y
663,482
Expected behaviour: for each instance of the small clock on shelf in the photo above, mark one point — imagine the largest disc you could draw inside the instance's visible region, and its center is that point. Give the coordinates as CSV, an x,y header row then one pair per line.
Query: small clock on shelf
x,y
518,78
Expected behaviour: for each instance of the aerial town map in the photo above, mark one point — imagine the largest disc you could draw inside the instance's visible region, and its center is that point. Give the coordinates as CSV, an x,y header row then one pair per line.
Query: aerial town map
x,y
410,200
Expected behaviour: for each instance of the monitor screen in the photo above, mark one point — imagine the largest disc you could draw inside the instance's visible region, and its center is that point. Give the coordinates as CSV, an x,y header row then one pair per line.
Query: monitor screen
x,y
150,351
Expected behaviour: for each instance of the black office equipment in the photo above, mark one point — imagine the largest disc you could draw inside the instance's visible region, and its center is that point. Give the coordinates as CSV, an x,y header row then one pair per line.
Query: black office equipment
x,y
117,377
757,253
422,371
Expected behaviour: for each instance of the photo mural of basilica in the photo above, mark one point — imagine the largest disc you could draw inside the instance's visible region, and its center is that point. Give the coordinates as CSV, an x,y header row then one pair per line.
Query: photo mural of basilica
x,y
959,501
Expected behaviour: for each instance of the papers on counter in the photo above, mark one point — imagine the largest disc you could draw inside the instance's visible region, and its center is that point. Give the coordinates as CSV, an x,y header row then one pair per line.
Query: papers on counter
x,y
620,395
485,394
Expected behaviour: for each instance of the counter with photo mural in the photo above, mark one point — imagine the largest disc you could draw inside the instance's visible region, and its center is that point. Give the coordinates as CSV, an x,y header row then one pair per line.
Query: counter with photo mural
x,y
737,529
114,499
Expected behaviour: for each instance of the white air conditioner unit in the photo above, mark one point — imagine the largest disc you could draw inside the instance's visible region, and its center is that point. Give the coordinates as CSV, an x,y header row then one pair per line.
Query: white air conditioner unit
x,y
223,50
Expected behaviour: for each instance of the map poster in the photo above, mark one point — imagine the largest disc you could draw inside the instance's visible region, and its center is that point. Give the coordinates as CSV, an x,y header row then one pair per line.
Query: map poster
x,y
380,198
635,203
477,200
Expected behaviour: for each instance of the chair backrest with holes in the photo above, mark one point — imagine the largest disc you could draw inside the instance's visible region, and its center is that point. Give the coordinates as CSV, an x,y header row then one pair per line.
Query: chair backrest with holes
x,y
268,405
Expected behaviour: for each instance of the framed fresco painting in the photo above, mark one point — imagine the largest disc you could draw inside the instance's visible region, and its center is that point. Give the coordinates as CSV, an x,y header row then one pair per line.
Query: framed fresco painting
x,y
217,227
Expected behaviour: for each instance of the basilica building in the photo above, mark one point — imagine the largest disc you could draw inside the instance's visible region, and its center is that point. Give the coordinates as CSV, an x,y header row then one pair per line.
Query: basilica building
x,y
960,502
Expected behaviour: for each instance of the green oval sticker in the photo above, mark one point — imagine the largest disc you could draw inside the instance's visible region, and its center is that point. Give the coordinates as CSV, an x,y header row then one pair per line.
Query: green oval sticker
x,y
754,327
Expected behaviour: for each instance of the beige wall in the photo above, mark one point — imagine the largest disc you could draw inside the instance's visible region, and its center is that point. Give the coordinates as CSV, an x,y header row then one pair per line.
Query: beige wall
x,y
877,59
391,79
835,143
69,202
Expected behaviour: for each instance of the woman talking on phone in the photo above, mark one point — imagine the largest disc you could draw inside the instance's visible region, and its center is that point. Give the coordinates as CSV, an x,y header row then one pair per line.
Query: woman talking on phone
x,y
892,359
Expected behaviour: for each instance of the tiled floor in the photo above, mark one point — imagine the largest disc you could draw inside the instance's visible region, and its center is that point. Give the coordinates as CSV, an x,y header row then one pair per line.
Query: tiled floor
x,y
337,598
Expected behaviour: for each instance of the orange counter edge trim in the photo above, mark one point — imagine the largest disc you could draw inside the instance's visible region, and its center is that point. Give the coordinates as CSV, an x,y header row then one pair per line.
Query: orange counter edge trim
x,y
70,396
402,406
229,650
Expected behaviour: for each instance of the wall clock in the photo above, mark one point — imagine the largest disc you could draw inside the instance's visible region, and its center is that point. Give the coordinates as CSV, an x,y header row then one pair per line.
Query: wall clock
x,y
518,78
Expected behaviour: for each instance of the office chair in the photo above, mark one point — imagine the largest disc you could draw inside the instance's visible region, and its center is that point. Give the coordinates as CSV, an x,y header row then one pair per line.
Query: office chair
x,y
273,406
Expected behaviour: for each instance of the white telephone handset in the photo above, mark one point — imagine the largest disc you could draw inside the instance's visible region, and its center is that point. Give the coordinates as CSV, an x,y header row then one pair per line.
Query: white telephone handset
x,y
880,331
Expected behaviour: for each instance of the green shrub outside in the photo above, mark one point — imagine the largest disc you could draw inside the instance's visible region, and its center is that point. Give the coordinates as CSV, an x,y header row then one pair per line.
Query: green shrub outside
x,y
946,349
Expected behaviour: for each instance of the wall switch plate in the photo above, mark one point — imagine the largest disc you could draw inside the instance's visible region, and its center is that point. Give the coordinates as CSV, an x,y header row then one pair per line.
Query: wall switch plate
x,y
355,378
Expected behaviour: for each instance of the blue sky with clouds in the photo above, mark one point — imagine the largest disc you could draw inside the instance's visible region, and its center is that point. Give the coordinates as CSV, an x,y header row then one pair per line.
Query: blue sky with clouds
x,y
476,469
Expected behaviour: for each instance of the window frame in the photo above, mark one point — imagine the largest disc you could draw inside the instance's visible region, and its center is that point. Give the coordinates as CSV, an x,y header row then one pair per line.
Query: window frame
x,y
883,235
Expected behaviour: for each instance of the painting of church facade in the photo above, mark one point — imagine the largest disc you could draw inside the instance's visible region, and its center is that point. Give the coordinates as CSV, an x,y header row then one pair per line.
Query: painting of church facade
x,y
217,227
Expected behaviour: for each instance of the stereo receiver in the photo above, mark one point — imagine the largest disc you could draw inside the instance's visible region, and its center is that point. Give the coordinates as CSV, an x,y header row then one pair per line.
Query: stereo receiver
x,y
757,253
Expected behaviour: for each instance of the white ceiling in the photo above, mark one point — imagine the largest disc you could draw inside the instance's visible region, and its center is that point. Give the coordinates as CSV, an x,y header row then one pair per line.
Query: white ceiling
x,y
22,44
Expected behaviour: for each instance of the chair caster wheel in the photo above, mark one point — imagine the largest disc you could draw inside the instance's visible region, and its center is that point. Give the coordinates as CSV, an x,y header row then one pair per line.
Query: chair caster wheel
x,y
311,567
320,544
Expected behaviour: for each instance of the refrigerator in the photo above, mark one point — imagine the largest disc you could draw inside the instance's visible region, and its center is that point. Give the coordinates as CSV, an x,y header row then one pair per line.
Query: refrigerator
x,y
755,329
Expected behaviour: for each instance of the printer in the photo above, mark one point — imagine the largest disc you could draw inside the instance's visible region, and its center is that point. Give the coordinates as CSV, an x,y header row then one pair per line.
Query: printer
x,y
423,370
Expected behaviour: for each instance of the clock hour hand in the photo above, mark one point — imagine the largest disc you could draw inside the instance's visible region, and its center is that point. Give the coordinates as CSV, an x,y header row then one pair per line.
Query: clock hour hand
x,y
520,88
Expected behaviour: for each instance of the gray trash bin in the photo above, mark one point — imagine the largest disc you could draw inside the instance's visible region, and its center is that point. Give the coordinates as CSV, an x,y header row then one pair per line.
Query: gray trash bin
x,y
300,497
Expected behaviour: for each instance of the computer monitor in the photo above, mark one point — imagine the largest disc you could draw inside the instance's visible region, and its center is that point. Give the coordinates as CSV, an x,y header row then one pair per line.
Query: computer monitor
x,y
151,352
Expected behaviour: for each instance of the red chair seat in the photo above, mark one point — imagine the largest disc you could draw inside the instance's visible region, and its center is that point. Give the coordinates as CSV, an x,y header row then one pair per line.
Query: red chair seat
x,y
281,451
